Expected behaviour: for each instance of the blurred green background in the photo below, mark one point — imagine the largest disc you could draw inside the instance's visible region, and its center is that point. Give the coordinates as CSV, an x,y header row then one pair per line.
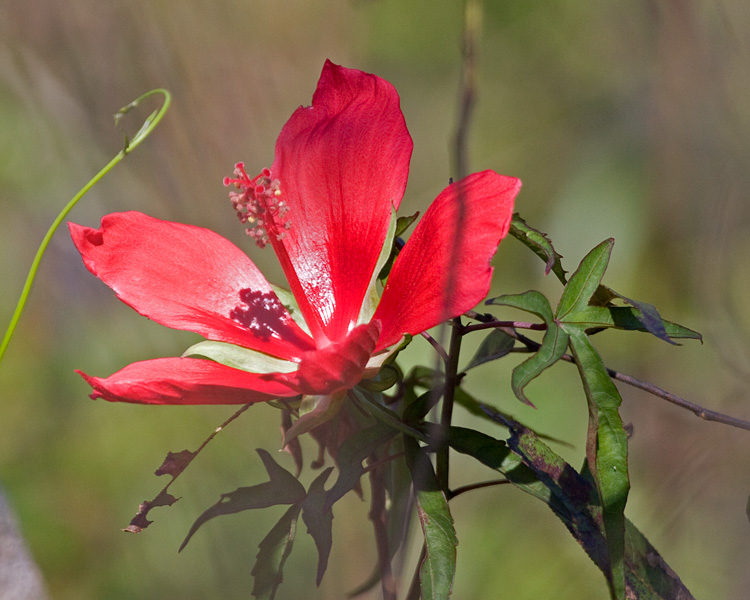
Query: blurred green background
x,y
623,119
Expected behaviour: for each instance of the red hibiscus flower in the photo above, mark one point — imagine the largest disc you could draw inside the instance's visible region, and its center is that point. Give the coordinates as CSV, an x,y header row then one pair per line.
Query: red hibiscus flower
x,y
326,207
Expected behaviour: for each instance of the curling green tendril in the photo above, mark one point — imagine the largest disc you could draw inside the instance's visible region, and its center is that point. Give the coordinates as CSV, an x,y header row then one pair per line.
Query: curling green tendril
x,y
130,144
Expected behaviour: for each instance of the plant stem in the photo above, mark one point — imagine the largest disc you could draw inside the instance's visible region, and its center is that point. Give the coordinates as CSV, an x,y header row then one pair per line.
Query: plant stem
x,y
496,324
436,345
415,590
478,486
468,90
379,517
442,463
147,127
704,413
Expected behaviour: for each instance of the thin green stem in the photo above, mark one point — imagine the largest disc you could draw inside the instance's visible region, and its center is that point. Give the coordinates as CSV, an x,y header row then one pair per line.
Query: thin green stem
x,y
130,144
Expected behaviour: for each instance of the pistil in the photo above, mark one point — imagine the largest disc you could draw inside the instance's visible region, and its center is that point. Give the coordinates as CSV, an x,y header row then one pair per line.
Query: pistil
x,y
259,205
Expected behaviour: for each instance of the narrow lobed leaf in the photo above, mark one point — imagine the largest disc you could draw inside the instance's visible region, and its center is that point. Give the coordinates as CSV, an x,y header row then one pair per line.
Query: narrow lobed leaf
x,y
273,551
585,281
439,567
351,455
175,463
319,521
606,451
495,415
139,521
283,488
626,318
554,342
536,470
649,317
495,345
540,244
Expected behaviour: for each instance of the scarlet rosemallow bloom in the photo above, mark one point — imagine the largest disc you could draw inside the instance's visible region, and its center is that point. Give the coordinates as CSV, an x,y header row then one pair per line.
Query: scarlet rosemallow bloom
x,y
326,207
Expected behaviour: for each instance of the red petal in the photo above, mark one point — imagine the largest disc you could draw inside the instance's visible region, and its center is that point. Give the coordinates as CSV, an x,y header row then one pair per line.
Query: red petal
x,y
342,164
444,269
186,381
190,278
338,366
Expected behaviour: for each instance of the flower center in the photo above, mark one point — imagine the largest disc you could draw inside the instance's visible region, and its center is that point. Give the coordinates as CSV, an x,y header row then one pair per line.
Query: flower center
x,y
259,205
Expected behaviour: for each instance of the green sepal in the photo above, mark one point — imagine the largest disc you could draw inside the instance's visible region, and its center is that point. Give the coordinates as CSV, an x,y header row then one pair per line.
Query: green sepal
x,y
314,411
372,296
240,358
388,376
289,302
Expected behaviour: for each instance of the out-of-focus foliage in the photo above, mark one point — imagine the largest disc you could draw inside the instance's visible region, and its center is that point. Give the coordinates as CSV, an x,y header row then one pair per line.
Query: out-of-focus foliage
x,y
627,120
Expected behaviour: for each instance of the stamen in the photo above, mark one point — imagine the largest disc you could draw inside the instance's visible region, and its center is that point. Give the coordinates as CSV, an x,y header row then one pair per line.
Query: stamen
x,y
259,205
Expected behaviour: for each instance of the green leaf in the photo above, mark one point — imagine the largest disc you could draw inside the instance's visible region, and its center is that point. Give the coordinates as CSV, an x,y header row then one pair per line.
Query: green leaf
x,y
585,281
283,488
388,376
554,342
493,414
417,407
495,345
539,244
627,318
350,456
396,478
439,567
606,450
532,301
648,577
319,520
532,467
273,551
496,455
649,317
424,377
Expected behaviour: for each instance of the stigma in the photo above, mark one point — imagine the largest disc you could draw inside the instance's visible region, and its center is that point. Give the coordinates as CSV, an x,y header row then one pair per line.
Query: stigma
x,y
259,205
